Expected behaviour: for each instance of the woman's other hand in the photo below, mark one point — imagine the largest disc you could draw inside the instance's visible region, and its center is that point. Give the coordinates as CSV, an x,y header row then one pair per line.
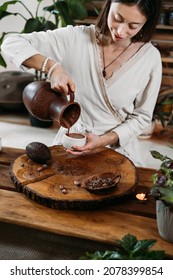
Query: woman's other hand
x,y
94,142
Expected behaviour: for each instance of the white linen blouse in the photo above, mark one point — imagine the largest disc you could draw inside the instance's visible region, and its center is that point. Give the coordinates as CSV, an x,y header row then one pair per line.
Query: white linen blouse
x,y
124,103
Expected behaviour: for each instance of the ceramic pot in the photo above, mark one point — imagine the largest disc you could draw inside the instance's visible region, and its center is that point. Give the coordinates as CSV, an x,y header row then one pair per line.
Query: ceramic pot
x,y
12,84
39,123
164,215
46,104
171,18
162,18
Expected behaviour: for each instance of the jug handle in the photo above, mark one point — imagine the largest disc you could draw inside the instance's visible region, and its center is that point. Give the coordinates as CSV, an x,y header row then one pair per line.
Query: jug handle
x,y
71,93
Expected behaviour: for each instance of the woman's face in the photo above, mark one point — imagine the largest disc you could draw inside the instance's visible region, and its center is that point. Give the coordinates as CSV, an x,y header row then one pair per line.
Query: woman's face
x,y
124,22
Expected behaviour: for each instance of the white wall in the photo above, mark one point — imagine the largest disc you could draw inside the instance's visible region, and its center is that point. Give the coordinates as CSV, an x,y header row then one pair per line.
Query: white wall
x,y
16,23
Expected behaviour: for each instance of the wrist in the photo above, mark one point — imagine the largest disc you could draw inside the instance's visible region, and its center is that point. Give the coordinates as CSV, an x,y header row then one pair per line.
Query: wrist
x,y
51,70
48,63
44,64
110,138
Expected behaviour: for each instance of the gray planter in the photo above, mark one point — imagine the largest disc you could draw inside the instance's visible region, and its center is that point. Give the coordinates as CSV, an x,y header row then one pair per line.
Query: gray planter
x,y
164,215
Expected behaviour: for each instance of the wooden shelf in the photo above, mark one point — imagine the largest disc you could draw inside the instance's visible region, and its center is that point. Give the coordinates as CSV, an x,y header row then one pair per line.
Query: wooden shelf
x,y
167,59
167,4
164,27
164,35
86,21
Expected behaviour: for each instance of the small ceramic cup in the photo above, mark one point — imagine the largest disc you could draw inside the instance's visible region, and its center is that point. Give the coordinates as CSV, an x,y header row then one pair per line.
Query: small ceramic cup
x,y
73,139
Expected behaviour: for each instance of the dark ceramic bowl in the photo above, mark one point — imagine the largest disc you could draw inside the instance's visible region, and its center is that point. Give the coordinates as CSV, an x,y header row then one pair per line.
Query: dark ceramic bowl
x,y
101,183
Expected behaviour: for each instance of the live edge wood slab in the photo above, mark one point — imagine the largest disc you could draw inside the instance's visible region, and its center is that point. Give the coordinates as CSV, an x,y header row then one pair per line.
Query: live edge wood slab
x,y
106,224
46,185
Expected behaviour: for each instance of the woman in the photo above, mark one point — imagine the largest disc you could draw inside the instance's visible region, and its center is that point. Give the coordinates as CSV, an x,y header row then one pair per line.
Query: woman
x,y
112,67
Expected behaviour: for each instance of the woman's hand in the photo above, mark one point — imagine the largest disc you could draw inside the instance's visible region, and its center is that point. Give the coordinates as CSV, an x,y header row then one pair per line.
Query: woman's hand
x,y
94,142
61,81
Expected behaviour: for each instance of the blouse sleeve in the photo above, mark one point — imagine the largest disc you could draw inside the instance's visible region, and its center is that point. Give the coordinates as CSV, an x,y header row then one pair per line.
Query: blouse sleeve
x,y
19,47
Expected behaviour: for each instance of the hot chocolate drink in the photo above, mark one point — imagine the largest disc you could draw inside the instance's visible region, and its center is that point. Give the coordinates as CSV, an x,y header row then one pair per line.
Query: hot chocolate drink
x,y
75,135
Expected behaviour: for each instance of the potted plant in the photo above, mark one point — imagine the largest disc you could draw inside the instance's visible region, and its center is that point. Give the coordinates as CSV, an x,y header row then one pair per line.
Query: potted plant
x,y
128,248
162,191
163,111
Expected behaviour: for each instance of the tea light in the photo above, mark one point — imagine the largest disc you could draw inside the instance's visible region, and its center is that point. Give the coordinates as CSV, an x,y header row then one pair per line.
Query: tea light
x,y
141,197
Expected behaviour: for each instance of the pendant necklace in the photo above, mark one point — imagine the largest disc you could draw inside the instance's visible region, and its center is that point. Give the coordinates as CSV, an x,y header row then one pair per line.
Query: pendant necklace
x,y
105,67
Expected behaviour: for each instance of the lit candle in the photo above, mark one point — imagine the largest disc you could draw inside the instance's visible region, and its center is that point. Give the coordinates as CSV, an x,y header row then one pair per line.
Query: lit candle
x,y
141,197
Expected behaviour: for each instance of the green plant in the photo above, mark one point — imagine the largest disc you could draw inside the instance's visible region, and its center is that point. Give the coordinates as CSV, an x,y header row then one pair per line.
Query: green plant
x,y
164,108
129,248
63,11
162,188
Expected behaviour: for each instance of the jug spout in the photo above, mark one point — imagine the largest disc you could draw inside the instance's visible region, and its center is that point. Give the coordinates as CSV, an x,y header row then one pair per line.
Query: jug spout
x,y
68,116
46,104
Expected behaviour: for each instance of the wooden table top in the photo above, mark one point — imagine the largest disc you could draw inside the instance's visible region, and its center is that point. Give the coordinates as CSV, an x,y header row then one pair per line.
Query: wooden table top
x,y
103,225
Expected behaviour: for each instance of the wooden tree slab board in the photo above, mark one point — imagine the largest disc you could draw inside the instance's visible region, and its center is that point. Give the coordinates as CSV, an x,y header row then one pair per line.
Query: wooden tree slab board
x,y
44,184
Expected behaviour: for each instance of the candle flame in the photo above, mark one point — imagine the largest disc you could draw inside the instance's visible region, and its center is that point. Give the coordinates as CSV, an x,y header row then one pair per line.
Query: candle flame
x,y
141,196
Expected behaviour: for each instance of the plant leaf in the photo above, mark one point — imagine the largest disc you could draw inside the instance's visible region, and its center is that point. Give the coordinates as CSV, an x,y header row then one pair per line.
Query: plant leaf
x,y
76,5
166,194
35,24
138,250
155,255
142,246
4,14
4,6
49,25
63,10
49,8
128,242
107,255
155,178
157,155
2,61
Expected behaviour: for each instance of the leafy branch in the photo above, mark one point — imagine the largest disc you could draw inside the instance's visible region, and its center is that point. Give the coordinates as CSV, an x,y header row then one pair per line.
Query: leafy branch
x,y
163,179
63,11
164,108
129,248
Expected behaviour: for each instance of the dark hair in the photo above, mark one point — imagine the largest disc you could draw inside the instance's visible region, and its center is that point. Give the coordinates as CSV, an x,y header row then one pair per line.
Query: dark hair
x,y
149,8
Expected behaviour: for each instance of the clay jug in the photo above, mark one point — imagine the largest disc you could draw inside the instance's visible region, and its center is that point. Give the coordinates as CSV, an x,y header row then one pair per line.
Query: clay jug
x,y
46,104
